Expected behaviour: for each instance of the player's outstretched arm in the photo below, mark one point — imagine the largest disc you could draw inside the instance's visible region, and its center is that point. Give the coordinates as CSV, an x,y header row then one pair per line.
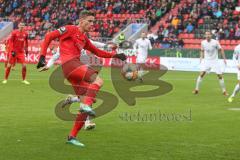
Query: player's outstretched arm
x,y
47,40
98,44
101,53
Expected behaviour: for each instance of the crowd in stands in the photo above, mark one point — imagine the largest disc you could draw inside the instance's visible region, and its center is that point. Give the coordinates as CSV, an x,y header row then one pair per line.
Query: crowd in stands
x,y
42,16
194,13
45,15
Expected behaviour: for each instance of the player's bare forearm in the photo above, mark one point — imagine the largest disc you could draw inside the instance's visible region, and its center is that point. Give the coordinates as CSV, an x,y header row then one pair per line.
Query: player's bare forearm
x,y
45,68
223,54
238,66
201,55
98,52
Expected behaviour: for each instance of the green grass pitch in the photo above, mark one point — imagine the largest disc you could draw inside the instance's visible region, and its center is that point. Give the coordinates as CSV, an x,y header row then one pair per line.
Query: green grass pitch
x,y
29,129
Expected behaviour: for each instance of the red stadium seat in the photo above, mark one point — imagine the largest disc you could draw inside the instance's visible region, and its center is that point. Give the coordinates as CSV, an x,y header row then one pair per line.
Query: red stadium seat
x,y
222,42
228,42
226,47
189,41
234,42
191,35
123,16
200,21
183,35
180,35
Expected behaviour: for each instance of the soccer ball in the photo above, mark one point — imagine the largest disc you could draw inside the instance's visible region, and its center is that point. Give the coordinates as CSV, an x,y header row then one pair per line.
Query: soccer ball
x,y
130,71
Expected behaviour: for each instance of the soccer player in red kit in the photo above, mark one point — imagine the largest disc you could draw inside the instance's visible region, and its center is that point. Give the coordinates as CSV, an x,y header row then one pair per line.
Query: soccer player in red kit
x,y
7,49
84,79
19,46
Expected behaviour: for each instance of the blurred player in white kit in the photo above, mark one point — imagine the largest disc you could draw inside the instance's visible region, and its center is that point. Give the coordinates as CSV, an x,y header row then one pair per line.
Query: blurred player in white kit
x,y
236,57
141,46
209,60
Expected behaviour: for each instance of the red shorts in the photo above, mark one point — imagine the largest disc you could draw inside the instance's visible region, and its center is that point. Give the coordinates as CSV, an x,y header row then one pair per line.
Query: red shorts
x,y
19,58
78,74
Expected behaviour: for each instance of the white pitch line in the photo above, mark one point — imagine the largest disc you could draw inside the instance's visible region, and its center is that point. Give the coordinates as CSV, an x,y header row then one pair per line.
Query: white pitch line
x,y
234,109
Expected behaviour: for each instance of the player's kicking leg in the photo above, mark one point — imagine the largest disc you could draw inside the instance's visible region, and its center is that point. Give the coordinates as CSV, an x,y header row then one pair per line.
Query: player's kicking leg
x,y
198,82
86,107
222,85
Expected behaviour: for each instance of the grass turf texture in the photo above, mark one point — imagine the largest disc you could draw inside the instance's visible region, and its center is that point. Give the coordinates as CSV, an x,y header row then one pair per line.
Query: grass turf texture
x,y
29,128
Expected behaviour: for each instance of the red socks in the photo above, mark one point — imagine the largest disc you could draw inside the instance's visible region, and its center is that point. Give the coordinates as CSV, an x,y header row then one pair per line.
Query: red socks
x,y
79,122
24,71
6,63
7,71
89,97
91,94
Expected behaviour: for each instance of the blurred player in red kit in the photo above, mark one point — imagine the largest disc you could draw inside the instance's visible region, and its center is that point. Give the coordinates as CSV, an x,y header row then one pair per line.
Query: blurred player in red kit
x,y
7,49
83,78
18,49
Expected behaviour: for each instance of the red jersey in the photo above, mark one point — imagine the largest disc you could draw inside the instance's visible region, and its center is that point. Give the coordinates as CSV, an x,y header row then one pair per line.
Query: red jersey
x,y
19,41
72,41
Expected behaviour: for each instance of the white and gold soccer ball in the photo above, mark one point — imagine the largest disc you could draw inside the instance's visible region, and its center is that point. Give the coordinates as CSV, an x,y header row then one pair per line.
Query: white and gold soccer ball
x,y
130,71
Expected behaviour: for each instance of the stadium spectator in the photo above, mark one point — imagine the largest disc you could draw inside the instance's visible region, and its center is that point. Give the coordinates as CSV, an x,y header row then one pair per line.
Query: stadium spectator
x,y
189,28
175,21
180,43
217,13
237,33
121,39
